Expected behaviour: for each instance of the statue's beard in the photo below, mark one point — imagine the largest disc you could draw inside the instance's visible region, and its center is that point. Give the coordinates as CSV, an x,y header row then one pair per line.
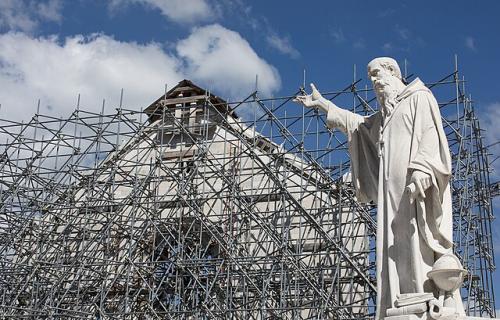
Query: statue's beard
x,y
387,99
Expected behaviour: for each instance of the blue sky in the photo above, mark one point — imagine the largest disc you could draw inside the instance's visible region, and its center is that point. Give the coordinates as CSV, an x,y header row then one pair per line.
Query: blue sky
x,y
53,49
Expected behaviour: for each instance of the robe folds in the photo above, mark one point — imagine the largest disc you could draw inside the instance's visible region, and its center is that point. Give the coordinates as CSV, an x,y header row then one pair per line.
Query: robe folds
x,y
385,150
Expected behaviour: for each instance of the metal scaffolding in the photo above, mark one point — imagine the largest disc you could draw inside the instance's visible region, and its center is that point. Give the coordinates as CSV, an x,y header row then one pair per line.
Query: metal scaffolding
x,y
186,211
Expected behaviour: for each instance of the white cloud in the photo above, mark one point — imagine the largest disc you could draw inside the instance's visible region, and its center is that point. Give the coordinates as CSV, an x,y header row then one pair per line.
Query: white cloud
x,y
222,58
338,35
97,67
488,117
26,15
50,10
56,70
489,122
470,43
180,11
283,45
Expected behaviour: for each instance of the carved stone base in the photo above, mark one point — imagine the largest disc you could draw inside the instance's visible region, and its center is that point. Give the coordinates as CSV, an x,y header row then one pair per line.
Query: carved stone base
x,y
425,316
422,316
474,318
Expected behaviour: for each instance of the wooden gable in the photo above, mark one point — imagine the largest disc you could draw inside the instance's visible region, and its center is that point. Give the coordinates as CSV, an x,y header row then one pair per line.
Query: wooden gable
x,y
185,92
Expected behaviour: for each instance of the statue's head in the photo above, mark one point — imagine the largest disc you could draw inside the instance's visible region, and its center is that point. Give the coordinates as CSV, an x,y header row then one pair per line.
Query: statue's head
x,y
386,63
386,77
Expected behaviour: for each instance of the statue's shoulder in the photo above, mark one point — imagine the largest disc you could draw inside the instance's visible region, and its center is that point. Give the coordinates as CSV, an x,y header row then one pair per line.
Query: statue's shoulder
x,y
423,102
420,97
414,90
422,93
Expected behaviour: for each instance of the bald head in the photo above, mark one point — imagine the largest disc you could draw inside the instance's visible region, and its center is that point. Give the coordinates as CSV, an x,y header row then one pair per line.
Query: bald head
x,y
386,63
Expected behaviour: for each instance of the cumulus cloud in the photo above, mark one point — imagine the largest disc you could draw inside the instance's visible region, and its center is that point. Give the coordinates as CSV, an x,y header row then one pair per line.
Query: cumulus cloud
x,y
97,67
176,10
26,15
283,45
56,70
222,58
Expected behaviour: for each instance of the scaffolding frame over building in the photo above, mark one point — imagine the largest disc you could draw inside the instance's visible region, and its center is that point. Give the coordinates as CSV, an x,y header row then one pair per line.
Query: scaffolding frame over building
x,y
187,211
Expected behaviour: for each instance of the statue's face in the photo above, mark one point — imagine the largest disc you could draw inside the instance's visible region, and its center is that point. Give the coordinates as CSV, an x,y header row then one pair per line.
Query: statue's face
x,y
383,80
380,77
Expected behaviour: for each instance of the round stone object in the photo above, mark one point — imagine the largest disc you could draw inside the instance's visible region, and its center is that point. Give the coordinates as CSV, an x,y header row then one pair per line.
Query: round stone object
x,y
447,273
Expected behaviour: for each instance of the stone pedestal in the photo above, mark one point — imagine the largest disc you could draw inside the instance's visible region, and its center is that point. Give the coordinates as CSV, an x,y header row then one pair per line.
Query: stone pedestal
x,y
422,316
425,316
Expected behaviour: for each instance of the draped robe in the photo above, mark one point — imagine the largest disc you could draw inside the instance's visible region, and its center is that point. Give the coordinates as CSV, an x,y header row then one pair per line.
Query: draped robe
x,y
384,151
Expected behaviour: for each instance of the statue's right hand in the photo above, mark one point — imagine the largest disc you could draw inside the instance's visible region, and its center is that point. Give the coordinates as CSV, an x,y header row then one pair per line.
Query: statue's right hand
x,y
305,100
310,100
315,94
313,100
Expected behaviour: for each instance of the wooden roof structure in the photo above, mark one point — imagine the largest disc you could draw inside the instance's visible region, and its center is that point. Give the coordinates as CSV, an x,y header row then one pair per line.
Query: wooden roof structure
x,y
186,92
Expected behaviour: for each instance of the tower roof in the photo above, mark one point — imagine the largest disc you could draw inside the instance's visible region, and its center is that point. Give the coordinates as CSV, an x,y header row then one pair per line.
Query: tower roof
x,y
186,92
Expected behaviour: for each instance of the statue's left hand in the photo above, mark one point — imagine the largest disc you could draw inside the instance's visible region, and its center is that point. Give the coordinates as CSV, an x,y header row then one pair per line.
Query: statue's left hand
x,y
419,182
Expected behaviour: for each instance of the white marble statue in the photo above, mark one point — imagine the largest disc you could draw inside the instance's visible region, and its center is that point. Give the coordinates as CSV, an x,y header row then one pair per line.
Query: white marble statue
x,y
401,161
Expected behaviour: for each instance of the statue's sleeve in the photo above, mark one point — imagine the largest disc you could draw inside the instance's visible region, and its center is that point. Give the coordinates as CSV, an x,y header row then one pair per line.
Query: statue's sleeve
x,y
362,135
345,121
430,154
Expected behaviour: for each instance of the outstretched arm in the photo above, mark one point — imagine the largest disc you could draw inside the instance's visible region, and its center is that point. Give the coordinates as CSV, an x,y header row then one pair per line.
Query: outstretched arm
x,y
336,117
